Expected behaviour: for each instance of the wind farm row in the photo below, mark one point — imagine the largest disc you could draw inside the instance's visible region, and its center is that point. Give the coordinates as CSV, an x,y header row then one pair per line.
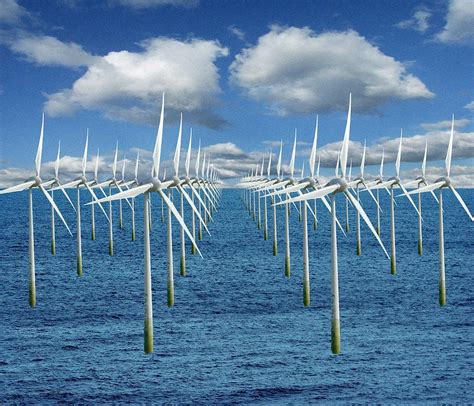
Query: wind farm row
x,y
260,186
201,193
192,199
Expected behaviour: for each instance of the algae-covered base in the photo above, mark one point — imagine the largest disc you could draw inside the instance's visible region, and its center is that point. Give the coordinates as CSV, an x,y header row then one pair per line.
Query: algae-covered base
x,y
182,266
358,249
442,294
393,266
335,337
170,291
53,247
420,248
275,249
32,294
287,266
79,265
148,336
111,248
306,294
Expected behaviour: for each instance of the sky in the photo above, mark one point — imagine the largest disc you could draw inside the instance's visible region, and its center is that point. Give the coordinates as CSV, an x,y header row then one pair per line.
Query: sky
x,y
245,75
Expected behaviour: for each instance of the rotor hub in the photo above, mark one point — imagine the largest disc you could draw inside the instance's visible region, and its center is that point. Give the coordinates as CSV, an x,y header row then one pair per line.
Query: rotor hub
x,y
156,185
340,182
38,180
446,180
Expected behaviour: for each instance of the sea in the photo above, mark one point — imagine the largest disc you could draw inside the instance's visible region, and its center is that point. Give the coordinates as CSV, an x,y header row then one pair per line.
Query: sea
x,y
238,332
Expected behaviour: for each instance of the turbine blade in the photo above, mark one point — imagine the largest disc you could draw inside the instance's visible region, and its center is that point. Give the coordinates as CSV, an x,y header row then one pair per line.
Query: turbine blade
x,y
56,165
449,153
328,207
345,142
290,189
39,151
372,196
427,188
68,185
437,201
121,190
423,165
363,214
461,201
159,138
399,155
177,151
84,157
56,209
67,197
317,194
97,201
193,207
198,196
411,183
410,199
178,217
18,188
127,193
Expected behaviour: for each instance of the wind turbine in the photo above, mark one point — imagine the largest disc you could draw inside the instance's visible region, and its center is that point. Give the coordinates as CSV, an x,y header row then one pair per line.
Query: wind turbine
x,y
421,180
360,180
31,184
392,183
440,184
332,188
78,183
349,178
55,182
178,183
265,214
153,185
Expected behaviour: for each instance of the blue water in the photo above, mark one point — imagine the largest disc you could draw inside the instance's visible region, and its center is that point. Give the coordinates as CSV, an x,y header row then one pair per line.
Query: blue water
x,y
238,331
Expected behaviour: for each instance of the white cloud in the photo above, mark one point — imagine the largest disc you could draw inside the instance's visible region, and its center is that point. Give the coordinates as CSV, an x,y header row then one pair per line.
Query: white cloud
x,y
295,70
459,28
469,106
463,122
128,85
49,51
237,32
144,4
11,12
418,22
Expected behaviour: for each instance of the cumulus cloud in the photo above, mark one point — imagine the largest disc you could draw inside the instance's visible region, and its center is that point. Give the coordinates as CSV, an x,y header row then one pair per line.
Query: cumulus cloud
x,y
418,21
11,12
459,28
295,70
469,106
445,124
145,4
47,50
128,85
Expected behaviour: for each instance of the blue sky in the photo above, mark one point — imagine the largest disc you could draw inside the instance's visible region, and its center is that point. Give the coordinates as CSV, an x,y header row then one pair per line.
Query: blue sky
x,y
244,73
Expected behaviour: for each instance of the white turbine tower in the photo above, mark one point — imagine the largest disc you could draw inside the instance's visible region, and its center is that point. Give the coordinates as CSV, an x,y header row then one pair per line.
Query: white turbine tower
x,y
153,185
440,184
334,187
31,184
